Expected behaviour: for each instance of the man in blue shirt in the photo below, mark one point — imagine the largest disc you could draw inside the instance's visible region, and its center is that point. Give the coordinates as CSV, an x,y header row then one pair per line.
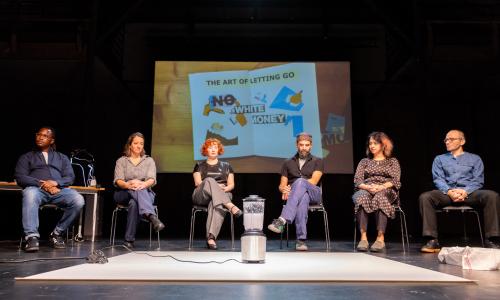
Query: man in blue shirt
x,y
458,177
45,174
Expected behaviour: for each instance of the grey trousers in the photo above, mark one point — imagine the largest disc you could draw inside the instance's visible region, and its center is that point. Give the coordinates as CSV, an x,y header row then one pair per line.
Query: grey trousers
x,y
209,194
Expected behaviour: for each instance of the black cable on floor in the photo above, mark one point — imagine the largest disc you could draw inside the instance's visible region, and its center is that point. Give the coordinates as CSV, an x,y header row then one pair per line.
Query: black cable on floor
x,y
6,261
97,256
176,259
192,261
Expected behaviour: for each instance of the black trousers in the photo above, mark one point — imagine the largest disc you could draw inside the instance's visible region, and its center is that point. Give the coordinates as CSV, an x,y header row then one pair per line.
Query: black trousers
x,y
380,219
486,200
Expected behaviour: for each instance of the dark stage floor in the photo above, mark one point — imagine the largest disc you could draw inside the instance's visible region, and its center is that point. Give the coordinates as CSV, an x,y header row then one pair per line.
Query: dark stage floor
x,y
487,284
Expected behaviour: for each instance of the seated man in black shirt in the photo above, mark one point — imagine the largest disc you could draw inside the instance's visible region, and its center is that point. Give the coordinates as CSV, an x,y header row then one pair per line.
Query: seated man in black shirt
x,y
300,176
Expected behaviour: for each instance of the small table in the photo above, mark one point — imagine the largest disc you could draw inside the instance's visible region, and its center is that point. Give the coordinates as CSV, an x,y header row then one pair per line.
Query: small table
x,y
83,190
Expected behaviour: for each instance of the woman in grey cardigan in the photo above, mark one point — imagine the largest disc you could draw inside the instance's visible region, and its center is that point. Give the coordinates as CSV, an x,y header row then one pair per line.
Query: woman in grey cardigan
x,y
135,174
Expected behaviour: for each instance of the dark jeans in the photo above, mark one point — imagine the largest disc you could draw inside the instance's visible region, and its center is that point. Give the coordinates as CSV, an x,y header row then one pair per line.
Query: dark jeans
x,y
140,204
487,200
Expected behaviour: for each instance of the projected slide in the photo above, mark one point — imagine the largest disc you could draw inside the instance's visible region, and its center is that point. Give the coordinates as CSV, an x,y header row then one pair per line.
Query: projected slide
x,y
255,112
255,109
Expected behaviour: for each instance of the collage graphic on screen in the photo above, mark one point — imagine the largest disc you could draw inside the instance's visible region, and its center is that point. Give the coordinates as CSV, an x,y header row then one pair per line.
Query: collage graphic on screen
x,y
246,110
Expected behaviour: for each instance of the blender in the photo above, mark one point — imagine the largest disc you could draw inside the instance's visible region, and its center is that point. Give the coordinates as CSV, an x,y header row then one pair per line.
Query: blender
x,y
253,240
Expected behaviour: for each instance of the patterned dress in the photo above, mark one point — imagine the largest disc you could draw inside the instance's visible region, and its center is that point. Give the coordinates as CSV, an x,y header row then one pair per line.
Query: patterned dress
x,y
371,171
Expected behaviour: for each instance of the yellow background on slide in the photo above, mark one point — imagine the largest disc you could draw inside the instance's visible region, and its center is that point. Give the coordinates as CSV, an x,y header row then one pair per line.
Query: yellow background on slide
x,y
172,138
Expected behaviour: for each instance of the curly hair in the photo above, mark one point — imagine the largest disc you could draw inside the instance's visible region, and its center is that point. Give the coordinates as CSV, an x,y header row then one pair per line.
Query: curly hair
x,y
381,138
209,142
126,148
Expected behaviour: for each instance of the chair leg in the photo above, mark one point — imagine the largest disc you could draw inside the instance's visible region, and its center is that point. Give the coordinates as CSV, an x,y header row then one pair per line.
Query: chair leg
x,y
158,237
465,229
151,232
113,227
79,236
479,226
150,235
191,230
327,230
21,242
158,233
355,233
281,240
287,230
404,230
72,235
232,230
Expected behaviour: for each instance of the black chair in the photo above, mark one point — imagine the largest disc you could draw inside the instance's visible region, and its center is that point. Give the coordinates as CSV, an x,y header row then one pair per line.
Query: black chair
x,y
114,218
404,229
464,209
312,208
197,208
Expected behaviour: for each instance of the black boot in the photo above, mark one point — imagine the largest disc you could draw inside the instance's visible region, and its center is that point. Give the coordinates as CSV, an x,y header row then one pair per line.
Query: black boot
x,y
157,224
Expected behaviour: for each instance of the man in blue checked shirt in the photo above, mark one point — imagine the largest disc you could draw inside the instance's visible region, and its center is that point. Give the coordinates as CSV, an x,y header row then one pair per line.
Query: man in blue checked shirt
x,y
458,176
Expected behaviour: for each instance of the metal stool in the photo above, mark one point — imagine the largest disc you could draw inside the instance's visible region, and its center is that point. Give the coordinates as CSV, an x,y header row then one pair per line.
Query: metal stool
x,y
114,218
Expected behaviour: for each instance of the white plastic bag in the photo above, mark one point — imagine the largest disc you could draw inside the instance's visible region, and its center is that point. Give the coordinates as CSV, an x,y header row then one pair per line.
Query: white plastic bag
x,y
480,259
471,258
451,255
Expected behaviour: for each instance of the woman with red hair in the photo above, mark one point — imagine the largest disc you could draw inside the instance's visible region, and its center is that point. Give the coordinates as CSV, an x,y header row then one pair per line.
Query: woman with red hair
x,y
376,184
214,181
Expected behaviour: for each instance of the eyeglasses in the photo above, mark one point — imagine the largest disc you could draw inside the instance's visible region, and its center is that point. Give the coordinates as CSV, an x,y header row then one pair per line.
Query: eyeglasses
x,y
451,139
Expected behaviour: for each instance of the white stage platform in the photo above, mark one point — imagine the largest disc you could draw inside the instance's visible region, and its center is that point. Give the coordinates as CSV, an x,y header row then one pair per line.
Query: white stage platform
x,y
279,267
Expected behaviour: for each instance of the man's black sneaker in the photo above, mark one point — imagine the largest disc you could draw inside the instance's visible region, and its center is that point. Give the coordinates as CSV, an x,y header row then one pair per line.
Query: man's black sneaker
x,y
276,226
56,241
31,244
432,246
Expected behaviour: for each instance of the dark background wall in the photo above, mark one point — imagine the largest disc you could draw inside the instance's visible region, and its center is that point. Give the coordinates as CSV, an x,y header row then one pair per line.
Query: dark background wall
x,y
418,69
